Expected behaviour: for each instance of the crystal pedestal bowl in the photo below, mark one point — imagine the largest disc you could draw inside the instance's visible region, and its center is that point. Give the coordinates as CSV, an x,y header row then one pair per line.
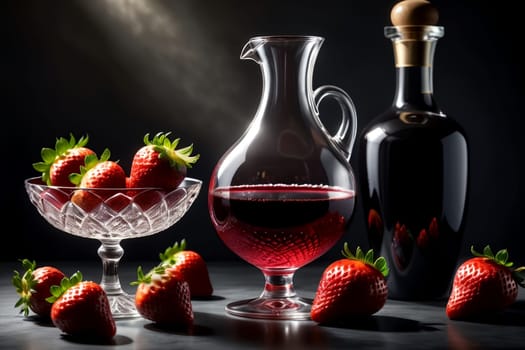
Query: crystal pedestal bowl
x,y
119,214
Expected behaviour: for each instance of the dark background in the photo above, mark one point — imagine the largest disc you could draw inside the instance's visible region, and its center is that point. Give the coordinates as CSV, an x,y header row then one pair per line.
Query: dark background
x,y
116,69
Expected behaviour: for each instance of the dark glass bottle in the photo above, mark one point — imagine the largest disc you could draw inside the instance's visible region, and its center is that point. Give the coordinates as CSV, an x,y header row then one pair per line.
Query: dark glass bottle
x,y
413,169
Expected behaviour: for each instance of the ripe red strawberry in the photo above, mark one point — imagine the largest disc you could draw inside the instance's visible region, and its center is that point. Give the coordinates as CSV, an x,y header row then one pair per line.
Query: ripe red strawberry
x,y
353,286
159,164
191,267
101,174
65,159
163,297
33,287
81,308
483,285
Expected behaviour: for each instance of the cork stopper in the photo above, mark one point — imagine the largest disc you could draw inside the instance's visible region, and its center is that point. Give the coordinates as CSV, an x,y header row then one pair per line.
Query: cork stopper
x,y
414,32
414,12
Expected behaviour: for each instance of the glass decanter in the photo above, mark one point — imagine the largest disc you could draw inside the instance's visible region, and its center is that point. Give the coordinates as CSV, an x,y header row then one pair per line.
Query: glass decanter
x,y
413,167
284,193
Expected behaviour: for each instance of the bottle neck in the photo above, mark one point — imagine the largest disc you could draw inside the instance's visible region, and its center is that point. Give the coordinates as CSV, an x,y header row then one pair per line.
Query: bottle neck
x,y
414,48
414,89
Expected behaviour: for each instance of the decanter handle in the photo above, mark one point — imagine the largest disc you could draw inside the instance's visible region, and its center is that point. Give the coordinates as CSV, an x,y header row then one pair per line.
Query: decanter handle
x,y
346,134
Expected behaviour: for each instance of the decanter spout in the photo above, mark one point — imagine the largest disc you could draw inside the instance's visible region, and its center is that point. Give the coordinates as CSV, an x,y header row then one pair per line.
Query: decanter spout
x,y
250,50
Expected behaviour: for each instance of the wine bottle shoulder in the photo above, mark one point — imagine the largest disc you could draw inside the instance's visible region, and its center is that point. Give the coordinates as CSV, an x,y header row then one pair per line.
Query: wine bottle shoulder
x,y
403,124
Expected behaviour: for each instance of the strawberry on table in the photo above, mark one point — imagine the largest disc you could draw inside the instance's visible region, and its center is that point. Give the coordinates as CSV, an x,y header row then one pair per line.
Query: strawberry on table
x,y
33,287
484,285
99,174
66,158
191,266
159,164
81,308
163,297
352,286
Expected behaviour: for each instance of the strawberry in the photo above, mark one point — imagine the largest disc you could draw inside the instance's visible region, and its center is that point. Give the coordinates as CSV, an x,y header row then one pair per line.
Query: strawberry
x,y
55,196
65,159
191,267
81,308
163,297
353,286
33,287
484,285
101,174
159,164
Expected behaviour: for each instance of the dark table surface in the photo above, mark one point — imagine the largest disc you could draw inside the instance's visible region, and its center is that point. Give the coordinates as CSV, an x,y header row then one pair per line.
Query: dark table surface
x,y
399,325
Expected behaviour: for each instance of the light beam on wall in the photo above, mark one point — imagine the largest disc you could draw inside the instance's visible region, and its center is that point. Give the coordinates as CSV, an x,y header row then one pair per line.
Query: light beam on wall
x,y
174,58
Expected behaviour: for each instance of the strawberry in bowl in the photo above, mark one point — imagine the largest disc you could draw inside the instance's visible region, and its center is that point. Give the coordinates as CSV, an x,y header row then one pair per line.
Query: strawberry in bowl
x,y
102,174
160,164
66,158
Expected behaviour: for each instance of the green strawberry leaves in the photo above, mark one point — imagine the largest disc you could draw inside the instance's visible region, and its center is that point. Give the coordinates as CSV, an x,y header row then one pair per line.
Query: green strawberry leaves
x,y
65,284
168,257
167,150
146,278
24,285
501,258
368,258
519,276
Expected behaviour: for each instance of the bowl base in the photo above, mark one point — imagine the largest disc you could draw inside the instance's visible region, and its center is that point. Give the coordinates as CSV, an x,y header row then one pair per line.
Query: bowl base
x,y
123,306
292,308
